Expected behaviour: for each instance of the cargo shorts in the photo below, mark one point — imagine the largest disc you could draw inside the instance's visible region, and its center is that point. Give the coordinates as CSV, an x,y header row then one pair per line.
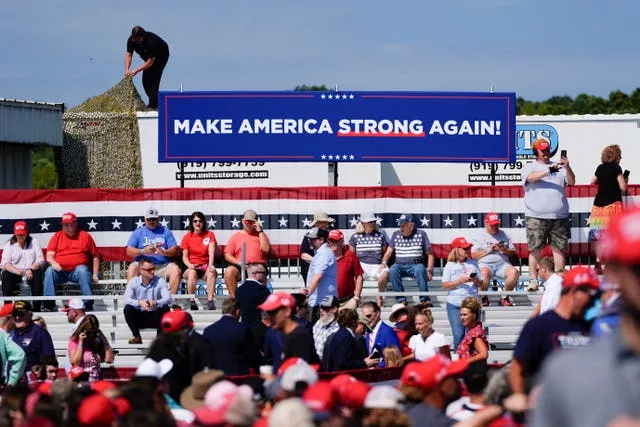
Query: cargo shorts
x,y
541,232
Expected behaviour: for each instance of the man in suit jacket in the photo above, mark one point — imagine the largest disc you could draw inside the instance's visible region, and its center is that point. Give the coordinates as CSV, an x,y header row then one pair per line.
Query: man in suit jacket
x,y
200,349
381,335
238,353
251,293
341,351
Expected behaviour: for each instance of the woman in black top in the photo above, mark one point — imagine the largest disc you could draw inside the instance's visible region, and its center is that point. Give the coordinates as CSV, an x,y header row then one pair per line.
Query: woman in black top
x,y
611,184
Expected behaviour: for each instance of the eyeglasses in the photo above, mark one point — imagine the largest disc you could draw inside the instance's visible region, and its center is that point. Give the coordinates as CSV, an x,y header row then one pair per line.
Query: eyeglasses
x,y
148,269
259,272
197,221
151,219
370,315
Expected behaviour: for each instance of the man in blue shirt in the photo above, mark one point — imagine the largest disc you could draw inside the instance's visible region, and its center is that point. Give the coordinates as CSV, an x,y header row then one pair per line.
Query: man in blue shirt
x,y
323,272
157,243
32,338
413,250
146,299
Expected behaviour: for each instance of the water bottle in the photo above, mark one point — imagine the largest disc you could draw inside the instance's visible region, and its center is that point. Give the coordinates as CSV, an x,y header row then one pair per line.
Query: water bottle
x,y
25,289
219,286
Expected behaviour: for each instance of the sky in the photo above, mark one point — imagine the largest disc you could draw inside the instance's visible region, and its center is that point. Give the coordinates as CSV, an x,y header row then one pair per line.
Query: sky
x,y
69,51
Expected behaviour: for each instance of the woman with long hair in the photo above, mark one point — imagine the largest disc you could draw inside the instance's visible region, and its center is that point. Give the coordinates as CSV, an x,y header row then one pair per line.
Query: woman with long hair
x,y
461,277
199,248
427,342
474,346
88,347
22,258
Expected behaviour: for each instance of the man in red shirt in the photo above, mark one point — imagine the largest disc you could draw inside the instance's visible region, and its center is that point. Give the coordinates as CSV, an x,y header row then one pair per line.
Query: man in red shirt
x,y
257,248
70,253
349,271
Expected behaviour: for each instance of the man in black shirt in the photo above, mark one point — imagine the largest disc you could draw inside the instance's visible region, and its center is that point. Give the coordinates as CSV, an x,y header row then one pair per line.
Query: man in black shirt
x,y
280,307
155,52
252,292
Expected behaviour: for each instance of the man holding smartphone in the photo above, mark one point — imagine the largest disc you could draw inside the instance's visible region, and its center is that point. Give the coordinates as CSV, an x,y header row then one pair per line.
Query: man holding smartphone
x,y
257,248
546,205
493,249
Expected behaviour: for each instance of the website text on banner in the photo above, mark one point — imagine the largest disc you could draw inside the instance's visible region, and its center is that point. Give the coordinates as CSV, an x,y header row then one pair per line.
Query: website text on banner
x,y
336,126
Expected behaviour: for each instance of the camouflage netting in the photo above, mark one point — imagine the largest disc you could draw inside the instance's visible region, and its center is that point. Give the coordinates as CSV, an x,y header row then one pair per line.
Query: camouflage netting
x,y
101,145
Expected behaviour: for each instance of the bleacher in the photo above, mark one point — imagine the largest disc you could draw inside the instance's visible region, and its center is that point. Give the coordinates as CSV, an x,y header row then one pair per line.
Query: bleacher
x,y
503,324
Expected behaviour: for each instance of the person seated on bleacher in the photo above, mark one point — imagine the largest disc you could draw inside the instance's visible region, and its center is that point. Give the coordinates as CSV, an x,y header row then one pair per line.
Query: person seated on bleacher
x,y
70,254
199,248
257,247
146,299
32,338
493,250
22,256
413,250
460,279
157,243
370,245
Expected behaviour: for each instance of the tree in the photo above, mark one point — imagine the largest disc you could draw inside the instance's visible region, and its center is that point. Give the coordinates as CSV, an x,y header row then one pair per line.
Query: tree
x,y
314,88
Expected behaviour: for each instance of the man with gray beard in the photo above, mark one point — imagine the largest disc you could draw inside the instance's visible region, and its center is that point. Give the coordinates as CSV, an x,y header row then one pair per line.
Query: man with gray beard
x,y
327,325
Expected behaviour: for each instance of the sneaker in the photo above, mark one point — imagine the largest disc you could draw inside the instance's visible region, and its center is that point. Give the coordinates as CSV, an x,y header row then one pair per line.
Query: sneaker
x,y
506,302
485,301
211,305
135,340
194,305
533,286
427,304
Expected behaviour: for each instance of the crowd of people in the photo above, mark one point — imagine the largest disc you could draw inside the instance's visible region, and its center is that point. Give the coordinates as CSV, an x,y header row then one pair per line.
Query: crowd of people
x,y
278,359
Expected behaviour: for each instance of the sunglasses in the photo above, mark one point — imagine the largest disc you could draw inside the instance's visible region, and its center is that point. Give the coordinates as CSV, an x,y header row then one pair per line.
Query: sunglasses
x,y
197,221
151,219
148,269
369,316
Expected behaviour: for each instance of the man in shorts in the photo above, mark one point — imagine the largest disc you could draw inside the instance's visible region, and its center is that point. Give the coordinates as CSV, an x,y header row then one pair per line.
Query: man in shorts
x,y
546,205
156,242
493,250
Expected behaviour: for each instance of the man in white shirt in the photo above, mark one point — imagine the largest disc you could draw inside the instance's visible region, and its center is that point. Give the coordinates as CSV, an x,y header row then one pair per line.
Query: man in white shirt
x,y
552,286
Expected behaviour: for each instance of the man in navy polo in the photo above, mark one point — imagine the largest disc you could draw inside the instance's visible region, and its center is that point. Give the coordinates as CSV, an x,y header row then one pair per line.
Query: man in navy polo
x,y
32,338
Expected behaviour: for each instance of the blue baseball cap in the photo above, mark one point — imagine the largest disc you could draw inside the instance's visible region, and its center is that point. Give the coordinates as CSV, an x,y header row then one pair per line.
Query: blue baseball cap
x,y
404,218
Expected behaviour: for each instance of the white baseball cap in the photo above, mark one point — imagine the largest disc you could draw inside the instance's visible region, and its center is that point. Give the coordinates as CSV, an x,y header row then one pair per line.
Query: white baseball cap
x,y
301,372
151,368
384,397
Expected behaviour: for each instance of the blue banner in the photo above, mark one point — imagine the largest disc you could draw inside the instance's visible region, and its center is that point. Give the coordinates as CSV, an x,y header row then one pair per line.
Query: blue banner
x,y
336,126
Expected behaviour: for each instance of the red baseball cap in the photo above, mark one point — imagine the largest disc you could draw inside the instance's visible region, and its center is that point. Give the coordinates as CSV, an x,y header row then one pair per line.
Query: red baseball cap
x,y
460,242
336,235
621,240
340,381
76,372
45,387
292,361
320,397
6,310
541,144
492,218
277,300
428,374
69,218
354,395
102,386
175,321
581,276
95,410
20,228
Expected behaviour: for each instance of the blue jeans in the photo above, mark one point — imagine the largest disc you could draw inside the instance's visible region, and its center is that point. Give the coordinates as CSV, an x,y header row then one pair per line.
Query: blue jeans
x,y
418,271
453,313
80,274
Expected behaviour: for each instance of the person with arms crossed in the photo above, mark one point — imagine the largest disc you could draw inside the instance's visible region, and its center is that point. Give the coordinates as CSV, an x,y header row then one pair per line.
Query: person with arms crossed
x,y
70,254
156,243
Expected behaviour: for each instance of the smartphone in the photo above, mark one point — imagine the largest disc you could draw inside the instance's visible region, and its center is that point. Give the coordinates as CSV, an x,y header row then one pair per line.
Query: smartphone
x,y
375,354
626,173
473,275
563,154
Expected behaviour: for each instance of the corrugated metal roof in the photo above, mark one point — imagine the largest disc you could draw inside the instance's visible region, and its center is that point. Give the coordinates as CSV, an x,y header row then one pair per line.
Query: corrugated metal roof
x,y
31,122
29,103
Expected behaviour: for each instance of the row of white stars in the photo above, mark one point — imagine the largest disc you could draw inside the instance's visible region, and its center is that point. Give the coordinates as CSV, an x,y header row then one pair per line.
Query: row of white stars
x,y
282,222
337,96
338,156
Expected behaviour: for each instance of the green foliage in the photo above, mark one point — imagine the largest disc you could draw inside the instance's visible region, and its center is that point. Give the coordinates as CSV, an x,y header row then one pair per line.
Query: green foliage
x,y
43,169
314,88
617,103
